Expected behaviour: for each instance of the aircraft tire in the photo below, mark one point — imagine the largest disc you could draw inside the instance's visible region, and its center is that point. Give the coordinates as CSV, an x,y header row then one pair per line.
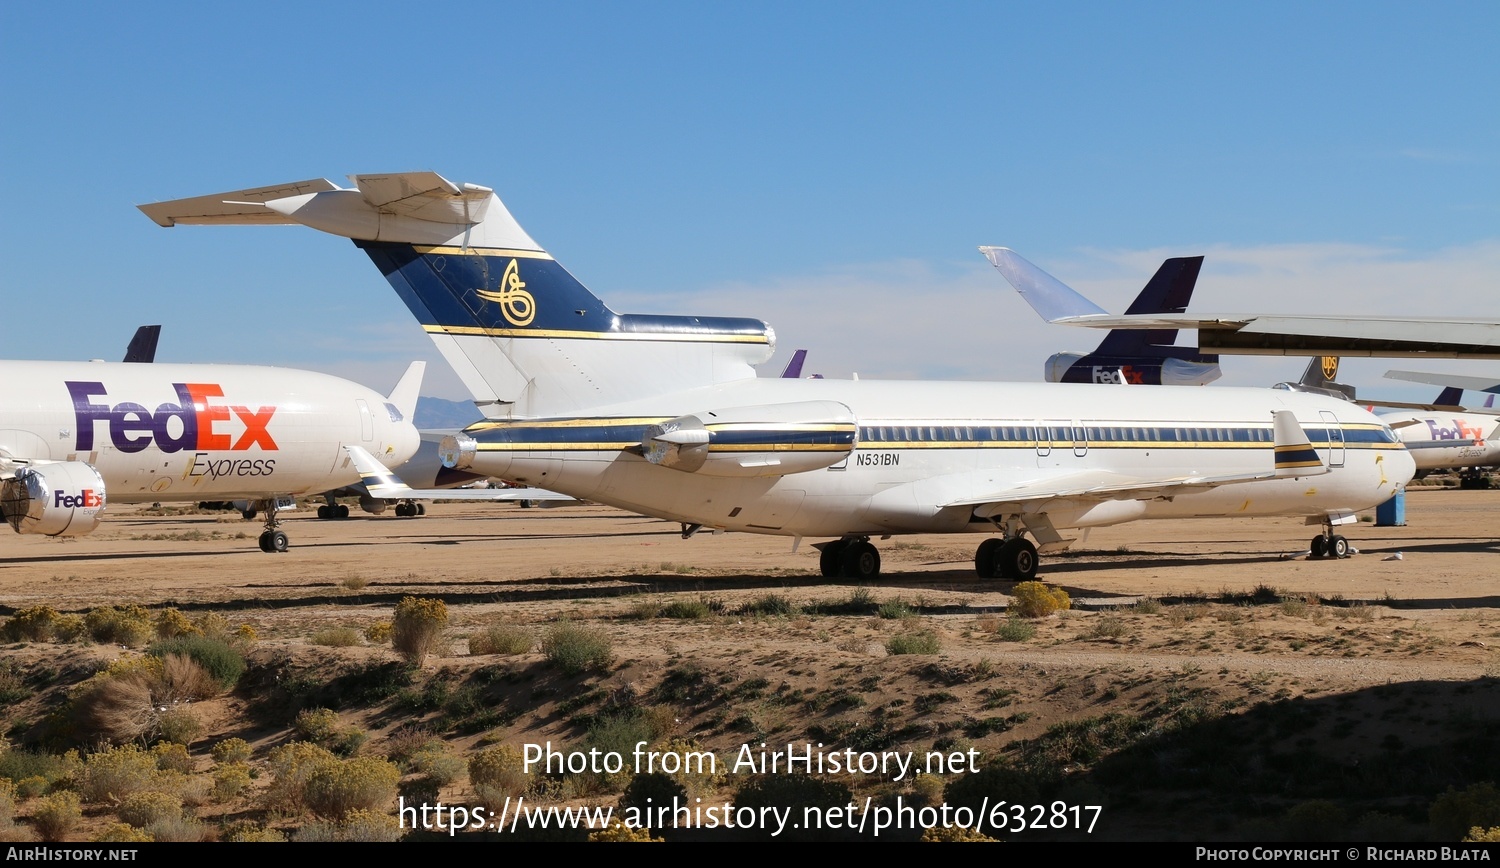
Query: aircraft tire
x,y
421,508
265,541
401,510
1318,548
984,558
278,541
831,560
323,512
1338,547
1016,560
341,511
248,514
861,561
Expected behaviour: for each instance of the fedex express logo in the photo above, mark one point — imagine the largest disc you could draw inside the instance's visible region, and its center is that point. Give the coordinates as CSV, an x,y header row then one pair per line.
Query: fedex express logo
x,y
189,424
87,499
1459,431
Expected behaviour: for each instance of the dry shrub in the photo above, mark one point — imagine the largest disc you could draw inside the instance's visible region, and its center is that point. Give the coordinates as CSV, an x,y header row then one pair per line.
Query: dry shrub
x,y
123,833
498,771
231,750
180,829
360,783
575,649
502,639
57,815
147,807
250,833
367,825
230,779
324,727
130,626
619,832
117,708
115,774
185,678
172,757
417,627
35,624
379,633
179,725
435,762
291,765
1038,599
171,623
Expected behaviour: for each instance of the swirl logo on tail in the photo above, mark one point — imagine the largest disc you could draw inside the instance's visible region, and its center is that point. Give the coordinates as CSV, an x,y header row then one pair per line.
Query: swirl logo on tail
x,y
516,304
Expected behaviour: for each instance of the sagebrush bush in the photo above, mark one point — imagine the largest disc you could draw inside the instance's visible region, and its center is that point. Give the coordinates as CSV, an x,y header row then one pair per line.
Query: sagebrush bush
x,y
367,783
131,626
57,815
34,624
230,779
172,757
499,768
435,762
117,773
123,833
323,727
417,627
618,832
291,765
575,649
1037,599
171,623
180,725
146,807
918,642
224,663
502,639
231,750
379,632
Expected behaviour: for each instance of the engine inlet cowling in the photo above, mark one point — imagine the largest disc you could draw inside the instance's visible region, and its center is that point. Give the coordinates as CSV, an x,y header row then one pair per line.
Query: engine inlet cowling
x,y
764,440
63,499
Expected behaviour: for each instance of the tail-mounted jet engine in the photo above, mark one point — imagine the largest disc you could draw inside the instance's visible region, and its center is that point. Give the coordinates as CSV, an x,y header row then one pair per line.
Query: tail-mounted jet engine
x,y
765,440
63,499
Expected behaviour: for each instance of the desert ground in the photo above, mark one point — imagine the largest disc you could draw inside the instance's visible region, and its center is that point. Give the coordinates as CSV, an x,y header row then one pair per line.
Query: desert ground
x,y
1208,682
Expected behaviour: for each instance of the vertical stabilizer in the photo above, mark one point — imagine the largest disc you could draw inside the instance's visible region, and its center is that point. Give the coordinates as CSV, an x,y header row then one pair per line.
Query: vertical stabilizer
x,y
525,337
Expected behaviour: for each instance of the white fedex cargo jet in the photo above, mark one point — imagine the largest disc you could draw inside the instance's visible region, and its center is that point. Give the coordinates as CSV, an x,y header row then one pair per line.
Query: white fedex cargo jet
x,y
76,435
665,416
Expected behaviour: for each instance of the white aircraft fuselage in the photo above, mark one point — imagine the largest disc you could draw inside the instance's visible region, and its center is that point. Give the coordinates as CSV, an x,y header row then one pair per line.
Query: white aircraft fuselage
x,y
172,432
924,451
1444,441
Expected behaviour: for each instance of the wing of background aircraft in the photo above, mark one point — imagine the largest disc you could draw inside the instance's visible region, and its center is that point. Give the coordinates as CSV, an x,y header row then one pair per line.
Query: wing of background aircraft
x,y
1262,334
1476,384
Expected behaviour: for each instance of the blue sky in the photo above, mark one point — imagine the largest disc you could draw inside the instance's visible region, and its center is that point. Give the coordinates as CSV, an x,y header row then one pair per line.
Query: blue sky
x,y
827,167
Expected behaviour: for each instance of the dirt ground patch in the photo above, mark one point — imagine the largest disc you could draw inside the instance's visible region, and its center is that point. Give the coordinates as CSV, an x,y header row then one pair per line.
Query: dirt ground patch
x,y
1209,682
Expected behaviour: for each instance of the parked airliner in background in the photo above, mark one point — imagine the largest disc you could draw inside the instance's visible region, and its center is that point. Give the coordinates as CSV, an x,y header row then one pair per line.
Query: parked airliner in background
x,y
1145,357
665,416
77,435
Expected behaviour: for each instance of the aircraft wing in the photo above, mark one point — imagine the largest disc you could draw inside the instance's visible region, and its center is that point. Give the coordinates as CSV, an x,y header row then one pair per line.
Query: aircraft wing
x,y
1475,384
1261,334
382,484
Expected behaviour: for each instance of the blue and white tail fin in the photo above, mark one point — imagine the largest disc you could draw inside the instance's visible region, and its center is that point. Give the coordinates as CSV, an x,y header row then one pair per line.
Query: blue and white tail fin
x,y
523,334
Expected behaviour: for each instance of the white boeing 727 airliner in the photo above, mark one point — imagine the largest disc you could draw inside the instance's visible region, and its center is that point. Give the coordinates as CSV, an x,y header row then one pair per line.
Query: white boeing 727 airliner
x,y
664,415
75,435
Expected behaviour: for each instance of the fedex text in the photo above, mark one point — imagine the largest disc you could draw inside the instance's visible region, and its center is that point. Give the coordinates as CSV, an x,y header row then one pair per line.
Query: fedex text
x,y
196,422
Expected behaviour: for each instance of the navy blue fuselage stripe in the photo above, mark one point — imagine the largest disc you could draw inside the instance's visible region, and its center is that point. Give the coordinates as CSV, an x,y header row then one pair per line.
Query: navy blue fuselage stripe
x,y
441,289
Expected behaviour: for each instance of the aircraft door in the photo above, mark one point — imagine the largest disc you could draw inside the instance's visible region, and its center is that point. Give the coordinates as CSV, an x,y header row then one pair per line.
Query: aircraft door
x,y
366,421
1334,453
1080,440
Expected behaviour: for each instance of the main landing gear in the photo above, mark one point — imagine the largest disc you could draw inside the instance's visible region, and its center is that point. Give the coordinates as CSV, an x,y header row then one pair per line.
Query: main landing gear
x,y
410,509
332,509
850,558
1013,558
272,539
1328,544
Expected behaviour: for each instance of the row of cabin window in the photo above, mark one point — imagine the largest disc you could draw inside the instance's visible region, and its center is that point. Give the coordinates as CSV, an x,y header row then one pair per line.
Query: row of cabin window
x,y
1058,434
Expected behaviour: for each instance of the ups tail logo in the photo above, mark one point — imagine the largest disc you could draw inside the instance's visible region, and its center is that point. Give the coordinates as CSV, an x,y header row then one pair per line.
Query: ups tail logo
x,y
1330,367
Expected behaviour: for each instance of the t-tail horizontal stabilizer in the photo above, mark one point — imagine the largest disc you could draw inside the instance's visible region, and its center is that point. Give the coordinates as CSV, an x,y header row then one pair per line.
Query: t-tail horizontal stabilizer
x,y
525,336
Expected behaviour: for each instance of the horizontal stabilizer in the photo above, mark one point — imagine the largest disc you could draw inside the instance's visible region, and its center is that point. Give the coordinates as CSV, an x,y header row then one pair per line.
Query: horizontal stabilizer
x,y
237,206
1477,384
1047,295
382,484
